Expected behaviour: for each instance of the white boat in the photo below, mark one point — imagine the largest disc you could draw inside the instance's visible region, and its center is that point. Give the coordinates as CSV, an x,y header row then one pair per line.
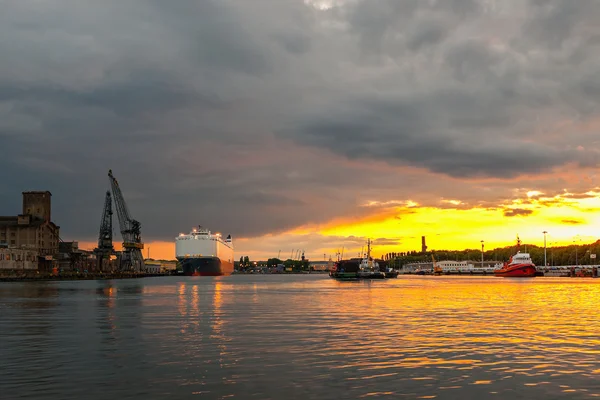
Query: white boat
x,y
368,267
204,253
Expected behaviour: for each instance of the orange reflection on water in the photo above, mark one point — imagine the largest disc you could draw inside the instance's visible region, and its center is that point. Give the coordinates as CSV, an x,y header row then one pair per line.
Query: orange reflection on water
x,y
195,305
217,321
514,329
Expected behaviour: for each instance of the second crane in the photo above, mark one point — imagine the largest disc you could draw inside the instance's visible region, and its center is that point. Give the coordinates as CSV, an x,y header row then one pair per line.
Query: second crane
x,y
131,258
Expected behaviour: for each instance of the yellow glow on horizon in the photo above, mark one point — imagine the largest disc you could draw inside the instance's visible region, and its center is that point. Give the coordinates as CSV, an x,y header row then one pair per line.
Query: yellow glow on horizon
x,y
567,220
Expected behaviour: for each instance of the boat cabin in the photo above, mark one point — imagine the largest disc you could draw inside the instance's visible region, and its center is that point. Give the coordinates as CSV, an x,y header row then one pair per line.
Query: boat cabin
x,y
521,258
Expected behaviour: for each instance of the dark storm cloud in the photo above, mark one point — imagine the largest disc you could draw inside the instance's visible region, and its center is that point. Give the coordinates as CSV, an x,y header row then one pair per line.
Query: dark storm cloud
x,y
259,116
517,212
479,100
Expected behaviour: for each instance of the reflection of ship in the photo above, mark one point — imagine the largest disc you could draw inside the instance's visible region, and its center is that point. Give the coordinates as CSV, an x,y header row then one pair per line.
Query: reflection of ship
x,y
204,253
519,265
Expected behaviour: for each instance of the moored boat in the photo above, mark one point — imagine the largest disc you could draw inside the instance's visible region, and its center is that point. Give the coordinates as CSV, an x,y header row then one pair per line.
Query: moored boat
x,y
359,268
519,266
202,253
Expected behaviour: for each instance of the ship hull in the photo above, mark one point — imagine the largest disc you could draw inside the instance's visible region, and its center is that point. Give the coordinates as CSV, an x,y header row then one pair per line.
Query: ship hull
x,y
517,271
205,266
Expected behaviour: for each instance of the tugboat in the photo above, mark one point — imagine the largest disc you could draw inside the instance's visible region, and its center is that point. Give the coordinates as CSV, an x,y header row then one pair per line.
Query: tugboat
x,y
519,265
366,268
369,268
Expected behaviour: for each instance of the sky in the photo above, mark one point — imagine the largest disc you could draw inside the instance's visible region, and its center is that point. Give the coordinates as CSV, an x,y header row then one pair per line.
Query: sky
x,y
307,124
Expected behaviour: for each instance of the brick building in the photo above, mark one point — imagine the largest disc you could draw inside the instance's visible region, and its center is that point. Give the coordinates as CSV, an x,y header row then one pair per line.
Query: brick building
x,y
31,234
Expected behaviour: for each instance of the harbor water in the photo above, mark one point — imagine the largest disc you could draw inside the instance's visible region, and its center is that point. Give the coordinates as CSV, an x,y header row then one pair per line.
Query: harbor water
x,y
301,337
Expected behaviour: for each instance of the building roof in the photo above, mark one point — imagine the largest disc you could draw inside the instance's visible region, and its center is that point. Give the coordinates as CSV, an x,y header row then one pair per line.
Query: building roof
x,y
8,221
38,192
14,221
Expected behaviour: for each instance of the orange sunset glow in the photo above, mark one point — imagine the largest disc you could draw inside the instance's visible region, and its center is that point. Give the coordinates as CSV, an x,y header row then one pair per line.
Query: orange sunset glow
x,y
567,218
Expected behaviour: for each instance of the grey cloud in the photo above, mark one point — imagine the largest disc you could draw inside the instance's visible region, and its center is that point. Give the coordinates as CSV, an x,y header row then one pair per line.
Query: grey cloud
x,y
399,131
387,241
257,117
425,34
555,20
515,212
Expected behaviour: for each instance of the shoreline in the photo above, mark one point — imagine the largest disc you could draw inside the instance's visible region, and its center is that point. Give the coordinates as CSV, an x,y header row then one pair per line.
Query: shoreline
x,y
77,277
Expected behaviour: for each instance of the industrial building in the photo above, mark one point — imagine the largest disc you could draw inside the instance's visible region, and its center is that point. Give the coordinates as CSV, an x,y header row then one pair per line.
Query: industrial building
x,y
30,240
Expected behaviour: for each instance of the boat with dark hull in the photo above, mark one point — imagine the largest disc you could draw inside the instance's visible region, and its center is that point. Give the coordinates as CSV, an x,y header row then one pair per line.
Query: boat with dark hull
x,y
358,268
202,253
205,266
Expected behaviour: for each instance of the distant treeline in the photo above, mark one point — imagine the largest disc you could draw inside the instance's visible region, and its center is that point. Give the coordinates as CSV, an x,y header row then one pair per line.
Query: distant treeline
x,y
563,255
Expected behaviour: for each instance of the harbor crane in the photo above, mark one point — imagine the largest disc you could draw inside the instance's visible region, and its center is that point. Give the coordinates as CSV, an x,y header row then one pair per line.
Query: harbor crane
x,y
131,258
105,245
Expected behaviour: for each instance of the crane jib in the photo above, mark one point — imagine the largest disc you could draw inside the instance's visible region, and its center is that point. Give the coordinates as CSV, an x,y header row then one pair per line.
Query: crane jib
x,y
131,258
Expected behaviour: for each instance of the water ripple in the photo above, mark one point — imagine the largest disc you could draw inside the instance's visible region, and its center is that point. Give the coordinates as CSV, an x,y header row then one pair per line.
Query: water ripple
x,y
298,337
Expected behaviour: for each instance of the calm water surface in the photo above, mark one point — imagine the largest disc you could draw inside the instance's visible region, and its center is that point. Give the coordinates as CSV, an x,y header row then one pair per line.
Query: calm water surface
x,y
300,337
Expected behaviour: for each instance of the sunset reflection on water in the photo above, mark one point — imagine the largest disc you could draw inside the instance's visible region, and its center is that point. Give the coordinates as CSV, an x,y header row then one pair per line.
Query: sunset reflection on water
x,y
313,337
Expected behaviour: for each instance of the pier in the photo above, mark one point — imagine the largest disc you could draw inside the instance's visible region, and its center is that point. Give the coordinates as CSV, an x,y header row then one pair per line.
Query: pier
x,y
20,276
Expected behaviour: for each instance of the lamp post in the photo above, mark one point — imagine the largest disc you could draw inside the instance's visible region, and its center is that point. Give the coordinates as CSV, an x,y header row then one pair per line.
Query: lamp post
x,y
482,254
578,239
545,263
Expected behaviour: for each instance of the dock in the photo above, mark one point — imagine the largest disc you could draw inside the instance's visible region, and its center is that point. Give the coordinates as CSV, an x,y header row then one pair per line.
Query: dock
x,y
31,277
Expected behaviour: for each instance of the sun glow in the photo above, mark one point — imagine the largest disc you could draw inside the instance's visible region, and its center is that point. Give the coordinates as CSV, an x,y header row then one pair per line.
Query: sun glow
x,y
397,226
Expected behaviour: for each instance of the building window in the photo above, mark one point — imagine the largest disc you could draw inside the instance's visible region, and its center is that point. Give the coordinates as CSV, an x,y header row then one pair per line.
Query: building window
x,y
12,242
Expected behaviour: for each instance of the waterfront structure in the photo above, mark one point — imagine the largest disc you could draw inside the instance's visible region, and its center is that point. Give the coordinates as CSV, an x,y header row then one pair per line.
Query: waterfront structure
x,y
18,259
452,267
160,266
423,245
31,234
72,258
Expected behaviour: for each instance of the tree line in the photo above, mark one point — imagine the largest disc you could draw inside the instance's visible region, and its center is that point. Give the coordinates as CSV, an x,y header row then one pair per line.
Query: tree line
x,y
561,255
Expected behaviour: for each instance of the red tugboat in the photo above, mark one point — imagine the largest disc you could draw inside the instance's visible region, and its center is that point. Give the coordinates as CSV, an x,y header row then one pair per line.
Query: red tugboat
x,y
519,266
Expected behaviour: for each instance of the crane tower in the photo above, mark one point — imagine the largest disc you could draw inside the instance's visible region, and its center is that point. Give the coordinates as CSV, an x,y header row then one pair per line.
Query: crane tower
x,y
105,245
131,259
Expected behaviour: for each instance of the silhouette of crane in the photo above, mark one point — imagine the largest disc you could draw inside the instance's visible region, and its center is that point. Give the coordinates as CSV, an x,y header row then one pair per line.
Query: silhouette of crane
x,y
105,245
131,258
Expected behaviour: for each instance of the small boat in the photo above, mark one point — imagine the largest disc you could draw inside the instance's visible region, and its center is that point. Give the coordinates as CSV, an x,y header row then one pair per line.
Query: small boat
x,y
358,268
391,273
519,266
369,268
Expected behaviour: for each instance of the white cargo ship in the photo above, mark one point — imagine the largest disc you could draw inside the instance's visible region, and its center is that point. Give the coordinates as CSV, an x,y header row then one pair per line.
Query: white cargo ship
x,y
203,253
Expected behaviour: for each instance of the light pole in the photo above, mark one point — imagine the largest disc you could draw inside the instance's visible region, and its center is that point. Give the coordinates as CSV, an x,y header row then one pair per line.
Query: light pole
x,y
545,263
576,248
482,254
